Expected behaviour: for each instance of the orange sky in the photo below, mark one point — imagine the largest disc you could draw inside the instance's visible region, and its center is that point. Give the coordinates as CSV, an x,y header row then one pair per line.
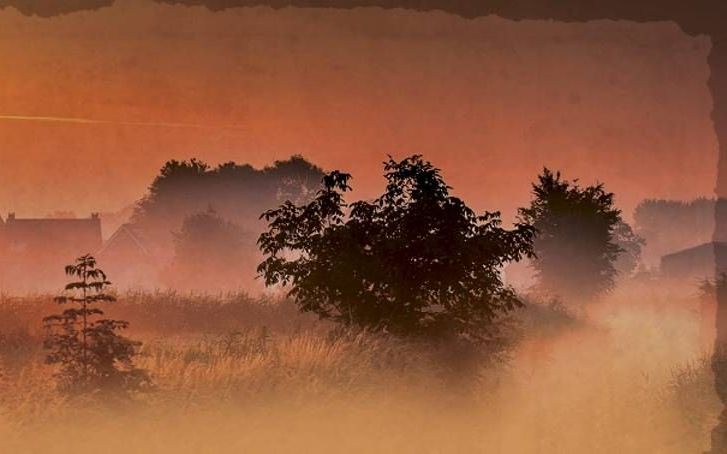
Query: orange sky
x,y
490,101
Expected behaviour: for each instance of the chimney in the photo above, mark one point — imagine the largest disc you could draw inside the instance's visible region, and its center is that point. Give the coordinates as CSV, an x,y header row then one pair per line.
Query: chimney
x,y
94,215
11,216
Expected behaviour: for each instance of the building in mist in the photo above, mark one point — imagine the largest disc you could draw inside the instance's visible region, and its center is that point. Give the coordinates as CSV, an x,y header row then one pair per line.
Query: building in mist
x,y
694,263
35,251
131,259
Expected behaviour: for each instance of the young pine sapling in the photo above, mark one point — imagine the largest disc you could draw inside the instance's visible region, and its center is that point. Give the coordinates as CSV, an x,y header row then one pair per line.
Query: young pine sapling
x,y
92,356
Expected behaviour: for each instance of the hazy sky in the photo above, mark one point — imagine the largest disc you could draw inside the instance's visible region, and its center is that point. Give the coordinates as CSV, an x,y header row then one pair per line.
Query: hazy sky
x,y
490,101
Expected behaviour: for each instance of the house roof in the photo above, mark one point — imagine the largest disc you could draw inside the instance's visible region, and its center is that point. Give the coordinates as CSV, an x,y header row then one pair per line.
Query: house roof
x,y
84,233
136,236
705,248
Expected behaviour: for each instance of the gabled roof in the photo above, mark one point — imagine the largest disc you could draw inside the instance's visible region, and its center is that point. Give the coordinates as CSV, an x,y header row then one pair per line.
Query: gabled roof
x,y
135,235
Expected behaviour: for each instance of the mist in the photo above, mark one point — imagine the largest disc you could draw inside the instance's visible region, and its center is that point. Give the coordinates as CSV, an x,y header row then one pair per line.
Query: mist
x,y
312,226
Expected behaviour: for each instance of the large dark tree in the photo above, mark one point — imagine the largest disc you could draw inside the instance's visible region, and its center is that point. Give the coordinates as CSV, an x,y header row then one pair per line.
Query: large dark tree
x,y
415,261
575,245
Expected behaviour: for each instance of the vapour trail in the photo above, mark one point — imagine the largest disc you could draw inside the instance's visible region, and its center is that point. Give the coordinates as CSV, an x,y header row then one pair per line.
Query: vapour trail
x,y
93,121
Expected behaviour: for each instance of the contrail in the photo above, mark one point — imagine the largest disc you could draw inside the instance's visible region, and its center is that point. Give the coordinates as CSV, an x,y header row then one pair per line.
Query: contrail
x,y
93,121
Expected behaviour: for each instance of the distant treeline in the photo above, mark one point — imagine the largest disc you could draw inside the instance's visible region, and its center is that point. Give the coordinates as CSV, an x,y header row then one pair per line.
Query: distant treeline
x,y
202,222
238,193
672,225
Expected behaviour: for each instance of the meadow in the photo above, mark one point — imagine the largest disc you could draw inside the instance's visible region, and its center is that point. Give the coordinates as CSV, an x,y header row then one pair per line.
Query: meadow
x,y
241,374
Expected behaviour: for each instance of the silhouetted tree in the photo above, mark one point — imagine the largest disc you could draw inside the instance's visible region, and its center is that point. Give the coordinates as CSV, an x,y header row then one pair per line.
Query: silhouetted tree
x,y
92,356
210,253
415,261
575,244
630,244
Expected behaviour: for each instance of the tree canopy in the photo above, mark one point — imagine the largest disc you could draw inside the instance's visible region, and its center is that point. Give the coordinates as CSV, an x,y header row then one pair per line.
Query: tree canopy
x,y
414,261
575,245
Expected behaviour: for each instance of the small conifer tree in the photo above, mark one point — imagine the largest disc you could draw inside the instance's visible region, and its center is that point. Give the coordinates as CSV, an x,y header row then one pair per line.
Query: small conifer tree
x,y
92,356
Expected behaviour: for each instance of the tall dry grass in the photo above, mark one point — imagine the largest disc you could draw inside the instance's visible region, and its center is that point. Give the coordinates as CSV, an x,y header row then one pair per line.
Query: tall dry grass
x,y
242,378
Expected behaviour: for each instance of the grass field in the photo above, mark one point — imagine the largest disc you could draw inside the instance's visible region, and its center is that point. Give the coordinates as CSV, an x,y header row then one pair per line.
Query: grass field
x,y
235,374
